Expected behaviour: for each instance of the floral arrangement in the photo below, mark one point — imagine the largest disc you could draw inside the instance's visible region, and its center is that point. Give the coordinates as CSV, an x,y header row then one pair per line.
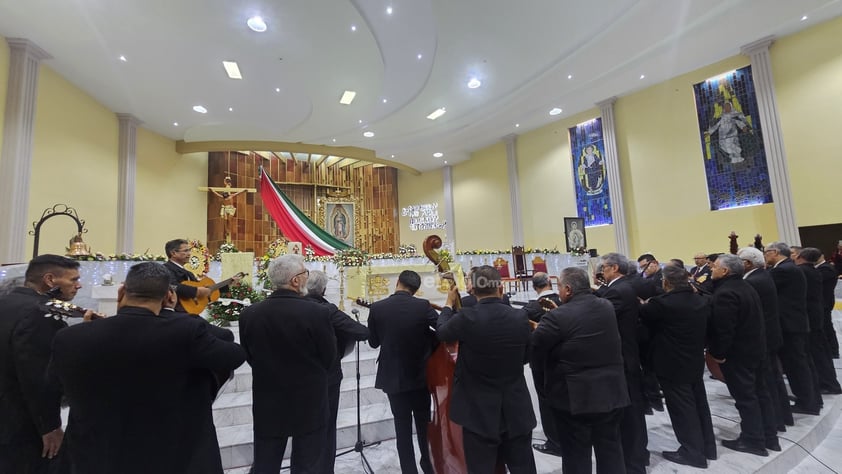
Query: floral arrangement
x,y
578,251
351,257
231,304
135,257
200,258
407,250
445,256
309,252
227,247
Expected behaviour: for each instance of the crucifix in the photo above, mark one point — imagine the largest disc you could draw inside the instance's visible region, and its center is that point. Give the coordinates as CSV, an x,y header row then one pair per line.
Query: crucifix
x,y
227,211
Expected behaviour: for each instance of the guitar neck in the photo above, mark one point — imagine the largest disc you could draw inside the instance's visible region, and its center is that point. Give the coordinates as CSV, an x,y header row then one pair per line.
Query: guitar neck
x,y
219,285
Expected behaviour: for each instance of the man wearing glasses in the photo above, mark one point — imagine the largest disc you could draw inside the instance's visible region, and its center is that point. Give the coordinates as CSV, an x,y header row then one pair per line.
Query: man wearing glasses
x,y
178,252
290,345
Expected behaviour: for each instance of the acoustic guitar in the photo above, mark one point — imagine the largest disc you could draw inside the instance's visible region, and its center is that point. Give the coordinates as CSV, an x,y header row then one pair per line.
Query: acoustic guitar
x,y
197,305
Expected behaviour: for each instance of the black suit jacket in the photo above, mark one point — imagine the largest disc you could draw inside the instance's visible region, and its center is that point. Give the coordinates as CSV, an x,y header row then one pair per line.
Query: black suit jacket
x,y
130,382
626,308
644,288
401,326
815,299
534,309
179,274
346,330
490,396
291,347
737,331
29,405
678,324
471,300
829,281
577,359
792,297
701,278
763,284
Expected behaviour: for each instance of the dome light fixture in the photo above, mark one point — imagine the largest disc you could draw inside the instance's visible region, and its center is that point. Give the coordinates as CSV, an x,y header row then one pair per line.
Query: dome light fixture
x,y
555,111
438,154
474,83
256,24
368,134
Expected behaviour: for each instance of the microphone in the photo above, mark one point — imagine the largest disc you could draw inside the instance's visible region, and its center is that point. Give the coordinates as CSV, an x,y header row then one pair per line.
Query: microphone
x,y
356,314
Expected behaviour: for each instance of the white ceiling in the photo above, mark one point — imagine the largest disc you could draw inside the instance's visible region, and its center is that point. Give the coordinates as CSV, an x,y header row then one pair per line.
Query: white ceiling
x,y
522,51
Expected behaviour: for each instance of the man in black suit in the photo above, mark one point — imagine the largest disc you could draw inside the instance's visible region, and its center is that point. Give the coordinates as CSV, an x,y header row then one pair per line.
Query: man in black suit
x,y
829,281
626,308
677,321
490,398
577,348
470,299
347,331
178,253
795,327
738,344
128,380
700,274
535,310
30,422
291,347
401,325
759,279
825,374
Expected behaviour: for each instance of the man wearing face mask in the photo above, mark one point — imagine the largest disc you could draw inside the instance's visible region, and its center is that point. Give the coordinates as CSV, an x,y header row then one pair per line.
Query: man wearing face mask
x,y
30,422
290,345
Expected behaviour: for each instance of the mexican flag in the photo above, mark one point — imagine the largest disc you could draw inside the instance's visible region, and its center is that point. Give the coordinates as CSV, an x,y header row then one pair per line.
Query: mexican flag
x,y
293,223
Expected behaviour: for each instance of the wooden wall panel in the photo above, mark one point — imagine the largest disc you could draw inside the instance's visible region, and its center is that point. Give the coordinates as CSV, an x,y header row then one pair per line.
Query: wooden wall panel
x,y
374,189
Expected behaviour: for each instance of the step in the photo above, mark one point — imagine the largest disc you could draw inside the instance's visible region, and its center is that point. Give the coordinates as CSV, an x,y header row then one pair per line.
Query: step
x,y
236,442
235,408
242,376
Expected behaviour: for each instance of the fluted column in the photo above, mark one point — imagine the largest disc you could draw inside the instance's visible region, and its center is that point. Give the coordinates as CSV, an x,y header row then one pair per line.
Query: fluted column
x,y
16,158
615,188
450,222
127,173
773,140
514,189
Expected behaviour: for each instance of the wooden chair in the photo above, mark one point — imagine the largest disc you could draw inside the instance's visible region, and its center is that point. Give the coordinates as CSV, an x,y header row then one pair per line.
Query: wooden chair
x,y
521,272
502,266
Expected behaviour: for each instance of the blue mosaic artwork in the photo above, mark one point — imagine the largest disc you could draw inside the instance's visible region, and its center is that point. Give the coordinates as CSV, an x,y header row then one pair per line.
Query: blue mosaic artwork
x,y
591,180
732,141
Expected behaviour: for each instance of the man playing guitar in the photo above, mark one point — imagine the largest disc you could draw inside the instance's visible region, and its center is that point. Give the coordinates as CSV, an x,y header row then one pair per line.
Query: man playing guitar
x,y
178,252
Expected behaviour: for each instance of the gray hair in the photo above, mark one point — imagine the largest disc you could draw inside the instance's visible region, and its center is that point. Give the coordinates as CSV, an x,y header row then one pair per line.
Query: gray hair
x,y
283,269
780,247
316,283
540,280
614,258
676,276
753,256
732,263
576,278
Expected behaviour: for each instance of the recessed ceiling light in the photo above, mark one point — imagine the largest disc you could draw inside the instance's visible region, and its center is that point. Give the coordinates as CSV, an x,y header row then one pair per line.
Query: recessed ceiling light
x,y
385,100
389,10
353,27
360,121
438,154
123,58
347,97
420,56
175,124
257,24
437,113
368,134
803,17
445,161
570,76
230,109
277,89
200,109
517,125
555,111
393,156
643,76
334,140
474,83
232,69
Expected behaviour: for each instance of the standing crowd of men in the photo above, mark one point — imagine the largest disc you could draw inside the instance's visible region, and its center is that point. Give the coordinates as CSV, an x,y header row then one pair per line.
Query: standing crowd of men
x,y
140,385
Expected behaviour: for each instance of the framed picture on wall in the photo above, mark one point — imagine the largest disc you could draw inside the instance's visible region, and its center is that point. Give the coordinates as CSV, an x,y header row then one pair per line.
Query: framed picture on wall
x,y
340,221
574,234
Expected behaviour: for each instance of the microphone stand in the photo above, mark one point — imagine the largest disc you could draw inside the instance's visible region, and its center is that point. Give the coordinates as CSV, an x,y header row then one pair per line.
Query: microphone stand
x,y
360,444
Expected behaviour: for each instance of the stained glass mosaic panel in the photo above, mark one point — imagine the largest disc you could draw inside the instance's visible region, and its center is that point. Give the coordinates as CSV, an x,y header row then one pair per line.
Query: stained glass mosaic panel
x,y
589,172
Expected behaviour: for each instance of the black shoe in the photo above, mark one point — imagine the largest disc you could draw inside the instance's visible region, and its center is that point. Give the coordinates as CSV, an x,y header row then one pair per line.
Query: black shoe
x,y
740,445
547,448
773,445
648,411
804,411
678,458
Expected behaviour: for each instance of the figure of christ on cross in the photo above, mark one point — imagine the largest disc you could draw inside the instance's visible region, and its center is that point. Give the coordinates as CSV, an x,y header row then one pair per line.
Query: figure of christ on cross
x,y
227,210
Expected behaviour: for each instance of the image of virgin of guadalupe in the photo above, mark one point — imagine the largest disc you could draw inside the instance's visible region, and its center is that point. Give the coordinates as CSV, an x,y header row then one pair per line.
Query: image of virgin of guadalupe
x,y
339,223
591,170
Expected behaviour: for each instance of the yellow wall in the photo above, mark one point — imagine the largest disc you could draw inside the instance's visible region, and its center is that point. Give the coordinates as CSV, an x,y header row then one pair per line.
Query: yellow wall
x,y
807,69
482,208
4,76
427,188
168,204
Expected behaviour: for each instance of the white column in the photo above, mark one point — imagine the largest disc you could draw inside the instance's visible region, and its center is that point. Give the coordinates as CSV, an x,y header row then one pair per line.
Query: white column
x,y
773,140
514,189
127,172
449,221
16,158
615,188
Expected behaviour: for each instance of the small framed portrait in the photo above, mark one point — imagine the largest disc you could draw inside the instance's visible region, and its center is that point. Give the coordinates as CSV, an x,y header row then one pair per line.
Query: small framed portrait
x,y
574,233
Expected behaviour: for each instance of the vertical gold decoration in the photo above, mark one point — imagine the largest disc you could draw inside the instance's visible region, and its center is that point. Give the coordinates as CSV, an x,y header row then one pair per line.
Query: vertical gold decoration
x,y
341,288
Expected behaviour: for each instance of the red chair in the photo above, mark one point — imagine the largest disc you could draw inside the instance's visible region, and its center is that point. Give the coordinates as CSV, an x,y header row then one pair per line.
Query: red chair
x,y
502,266
540,265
